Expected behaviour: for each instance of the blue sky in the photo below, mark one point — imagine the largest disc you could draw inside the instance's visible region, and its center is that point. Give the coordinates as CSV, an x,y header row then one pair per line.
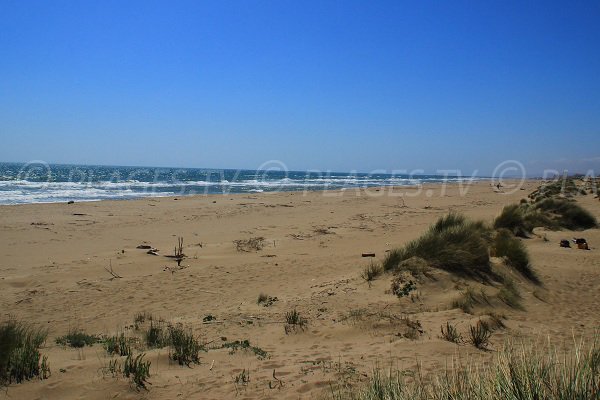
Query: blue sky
x,y
318,85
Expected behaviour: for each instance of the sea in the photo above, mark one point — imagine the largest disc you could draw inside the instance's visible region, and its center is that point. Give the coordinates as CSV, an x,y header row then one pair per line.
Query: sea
x,y
40,182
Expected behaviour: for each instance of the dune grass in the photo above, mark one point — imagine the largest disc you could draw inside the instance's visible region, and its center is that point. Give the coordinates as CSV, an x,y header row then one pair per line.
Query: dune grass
x,y
137,370
371,271
518,371
550,213
453,243
513,250
20,358
567,214
77,338
185,347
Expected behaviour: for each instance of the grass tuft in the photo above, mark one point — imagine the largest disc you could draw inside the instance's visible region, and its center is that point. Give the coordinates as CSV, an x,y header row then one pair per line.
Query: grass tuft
x,y
371,271
137,370
294,321
20,358
517,372
119,345
77,338
450,333
479,335
185,347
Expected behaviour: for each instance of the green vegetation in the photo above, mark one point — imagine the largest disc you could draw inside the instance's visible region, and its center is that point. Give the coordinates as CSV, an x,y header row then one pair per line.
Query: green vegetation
x,y
568,214
137,370
245,345
517,372
509,294
514,251
266,300
453,243
550,213
20,358
371,271
185,347
450,333
119,345
479,335
469,298
565,187
294,321
77,338
156,336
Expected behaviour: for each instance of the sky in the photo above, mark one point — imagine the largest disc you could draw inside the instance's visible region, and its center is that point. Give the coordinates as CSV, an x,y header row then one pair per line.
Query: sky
x,y
324,85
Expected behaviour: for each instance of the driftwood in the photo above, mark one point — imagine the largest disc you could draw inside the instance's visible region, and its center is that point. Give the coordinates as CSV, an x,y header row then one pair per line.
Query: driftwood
x,y
110,271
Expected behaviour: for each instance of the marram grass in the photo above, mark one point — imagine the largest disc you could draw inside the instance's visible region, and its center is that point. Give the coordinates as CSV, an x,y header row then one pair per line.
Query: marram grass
x,y
518,371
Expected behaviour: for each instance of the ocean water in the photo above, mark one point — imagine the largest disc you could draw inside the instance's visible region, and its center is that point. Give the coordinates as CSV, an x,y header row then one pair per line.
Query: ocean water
x,y
38,182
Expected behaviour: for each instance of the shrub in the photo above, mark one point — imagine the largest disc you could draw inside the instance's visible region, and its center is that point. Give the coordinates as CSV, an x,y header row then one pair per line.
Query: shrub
x,y
137,370
20,358
453,243
402,287
77,338
185,347
508,246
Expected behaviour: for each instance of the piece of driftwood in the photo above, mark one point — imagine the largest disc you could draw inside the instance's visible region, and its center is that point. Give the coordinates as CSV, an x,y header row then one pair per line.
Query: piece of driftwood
x,y
110,271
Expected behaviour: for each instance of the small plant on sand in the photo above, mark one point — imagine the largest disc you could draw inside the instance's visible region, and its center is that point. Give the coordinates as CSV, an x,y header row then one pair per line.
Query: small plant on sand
x,y
294,321
20,358
241,379
450,333
137,370
262,298
140,319
77,338
479,335
249,245
185,347
371,271
156,336
119,345
245,345
403,288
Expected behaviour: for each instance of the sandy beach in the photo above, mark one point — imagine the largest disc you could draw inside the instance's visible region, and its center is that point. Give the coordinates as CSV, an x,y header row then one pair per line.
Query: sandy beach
x,y
53,273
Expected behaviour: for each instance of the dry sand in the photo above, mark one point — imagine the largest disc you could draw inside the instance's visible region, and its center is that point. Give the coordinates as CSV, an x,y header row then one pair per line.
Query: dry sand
x,y
52,272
